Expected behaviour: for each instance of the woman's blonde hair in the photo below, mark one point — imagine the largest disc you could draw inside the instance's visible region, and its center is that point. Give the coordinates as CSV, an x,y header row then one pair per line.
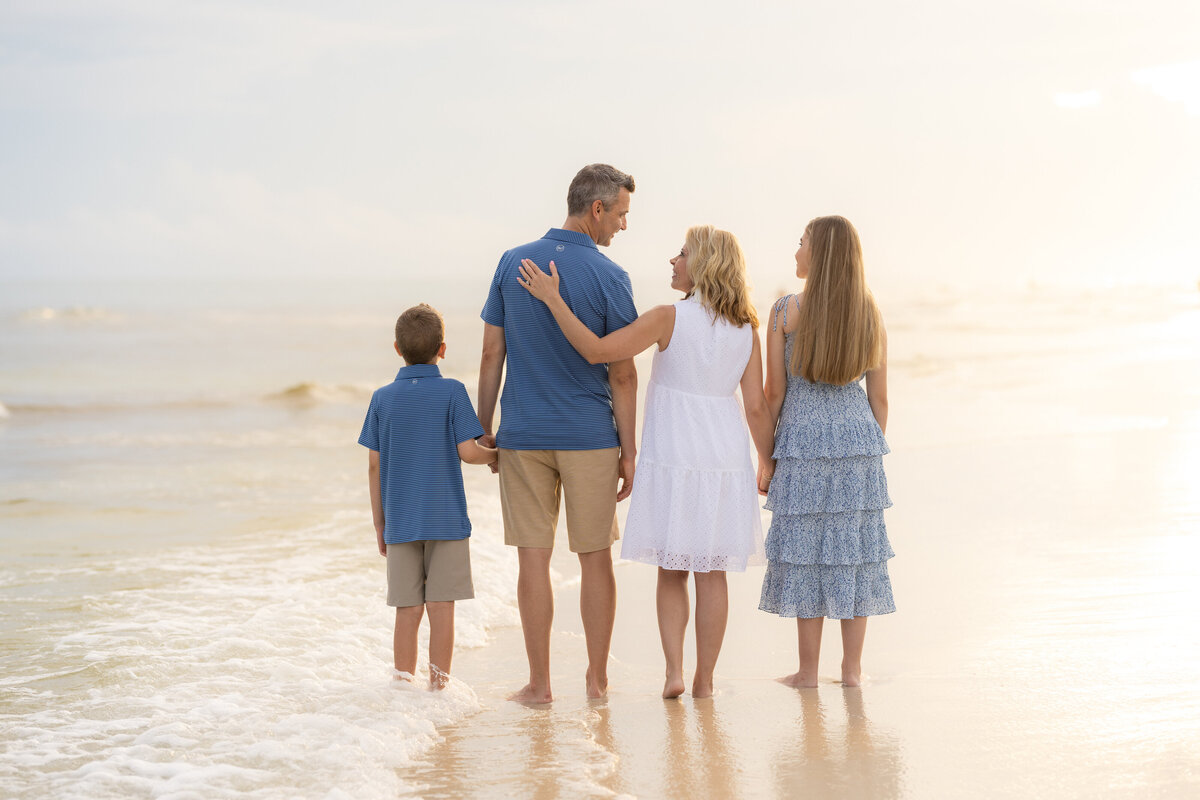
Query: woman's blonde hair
x,y
718,271
840,332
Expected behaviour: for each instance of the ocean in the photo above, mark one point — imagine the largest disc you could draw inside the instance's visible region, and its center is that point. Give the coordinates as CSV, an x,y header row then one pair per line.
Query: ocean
x,y
193,604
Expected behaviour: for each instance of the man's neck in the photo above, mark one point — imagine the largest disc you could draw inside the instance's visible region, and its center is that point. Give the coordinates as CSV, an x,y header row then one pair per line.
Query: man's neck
x,y
578,226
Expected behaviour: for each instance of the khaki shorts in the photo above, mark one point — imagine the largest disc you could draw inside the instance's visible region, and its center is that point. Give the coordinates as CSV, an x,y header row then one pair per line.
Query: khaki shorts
x,y
531,482
429,572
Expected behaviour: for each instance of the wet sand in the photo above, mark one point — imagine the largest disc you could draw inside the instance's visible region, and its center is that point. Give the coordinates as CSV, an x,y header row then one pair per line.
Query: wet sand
x,y
1048,571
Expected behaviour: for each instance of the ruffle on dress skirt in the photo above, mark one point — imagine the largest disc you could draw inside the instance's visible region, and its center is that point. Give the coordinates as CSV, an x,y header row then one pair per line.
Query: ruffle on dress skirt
x,y
696,520
836,591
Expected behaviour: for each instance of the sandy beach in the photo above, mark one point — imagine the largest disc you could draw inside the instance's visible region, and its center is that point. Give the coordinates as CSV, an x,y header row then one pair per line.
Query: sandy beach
x,y
1046,523
214,627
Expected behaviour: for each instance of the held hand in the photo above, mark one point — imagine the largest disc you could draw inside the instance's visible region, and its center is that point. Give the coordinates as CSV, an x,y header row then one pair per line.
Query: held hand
x,y
489,440
625,472
542,286
766,471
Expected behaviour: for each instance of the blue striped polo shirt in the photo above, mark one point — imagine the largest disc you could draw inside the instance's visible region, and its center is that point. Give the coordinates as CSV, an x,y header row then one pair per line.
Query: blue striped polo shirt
x,y
416,424
553,399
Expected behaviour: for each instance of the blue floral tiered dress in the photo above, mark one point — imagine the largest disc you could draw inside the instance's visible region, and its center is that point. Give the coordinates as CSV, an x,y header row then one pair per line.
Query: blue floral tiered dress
x,y
827,547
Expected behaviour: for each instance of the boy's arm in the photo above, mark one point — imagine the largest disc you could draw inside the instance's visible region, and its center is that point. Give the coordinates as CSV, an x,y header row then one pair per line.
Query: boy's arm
x,y
472,452
376,499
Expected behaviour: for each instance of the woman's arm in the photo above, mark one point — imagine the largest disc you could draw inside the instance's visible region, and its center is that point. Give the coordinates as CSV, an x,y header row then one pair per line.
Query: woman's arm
x,y
758,415
655,326
877,388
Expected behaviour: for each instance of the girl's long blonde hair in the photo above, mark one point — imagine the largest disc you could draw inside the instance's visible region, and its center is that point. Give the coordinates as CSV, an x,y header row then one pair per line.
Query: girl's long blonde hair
x,y
718,271
840,333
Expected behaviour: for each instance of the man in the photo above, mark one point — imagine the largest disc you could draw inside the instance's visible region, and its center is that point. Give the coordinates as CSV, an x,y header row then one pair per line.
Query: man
x,y
567,427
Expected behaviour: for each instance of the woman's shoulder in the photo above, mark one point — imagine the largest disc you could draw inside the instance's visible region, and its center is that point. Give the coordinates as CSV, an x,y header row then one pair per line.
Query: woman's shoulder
x,y
785,311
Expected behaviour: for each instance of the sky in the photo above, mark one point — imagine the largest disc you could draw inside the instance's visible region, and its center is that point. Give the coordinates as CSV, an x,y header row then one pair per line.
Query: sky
x,y
1014,143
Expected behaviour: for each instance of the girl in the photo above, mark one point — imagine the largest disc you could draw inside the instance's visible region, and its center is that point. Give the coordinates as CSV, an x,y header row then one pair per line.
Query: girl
x,y
827,547
695,504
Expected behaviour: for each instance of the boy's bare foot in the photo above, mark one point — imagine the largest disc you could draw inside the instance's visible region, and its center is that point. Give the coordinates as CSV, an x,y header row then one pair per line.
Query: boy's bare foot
x,y
596,686
532,697
673,687
799,681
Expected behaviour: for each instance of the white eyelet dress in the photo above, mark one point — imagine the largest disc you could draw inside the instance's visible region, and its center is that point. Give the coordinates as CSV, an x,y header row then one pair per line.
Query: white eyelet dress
x,y
827,548
695,500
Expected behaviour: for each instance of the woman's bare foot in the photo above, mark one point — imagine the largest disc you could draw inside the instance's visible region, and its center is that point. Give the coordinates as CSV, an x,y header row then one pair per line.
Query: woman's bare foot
x,y
437,678
596,686
702,688
399,675
799,681
673,687
530,696
851,678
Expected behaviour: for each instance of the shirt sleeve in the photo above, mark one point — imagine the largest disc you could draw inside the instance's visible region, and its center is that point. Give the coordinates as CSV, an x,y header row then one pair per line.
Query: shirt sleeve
x,y
464,423
621,310
369,437
493,308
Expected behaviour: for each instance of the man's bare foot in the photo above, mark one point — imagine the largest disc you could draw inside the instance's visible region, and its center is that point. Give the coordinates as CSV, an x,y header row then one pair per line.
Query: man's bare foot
x,y
702,689
533,697
596,686
673,687
799,681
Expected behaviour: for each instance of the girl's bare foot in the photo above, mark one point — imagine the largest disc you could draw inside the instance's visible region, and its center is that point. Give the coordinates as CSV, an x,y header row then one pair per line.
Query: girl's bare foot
x,y
701,689
596,687
531,696
673,687
851,678
399,675
437,678
799,681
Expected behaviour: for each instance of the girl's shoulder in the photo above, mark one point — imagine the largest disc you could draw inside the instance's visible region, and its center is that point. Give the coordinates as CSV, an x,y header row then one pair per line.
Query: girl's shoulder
x,y
785,312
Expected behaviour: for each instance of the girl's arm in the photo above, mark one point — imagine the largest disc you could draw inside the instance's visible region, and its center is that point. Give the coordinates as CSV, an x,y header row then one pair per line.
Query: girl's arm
x,y
655,326
758,415
472,452
877,388
776,371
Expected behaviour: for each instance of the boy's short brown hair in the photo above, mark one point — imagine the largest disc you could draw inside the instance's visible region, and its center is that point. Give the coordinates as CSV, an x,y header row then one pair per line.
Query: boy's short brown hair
x,y
419,333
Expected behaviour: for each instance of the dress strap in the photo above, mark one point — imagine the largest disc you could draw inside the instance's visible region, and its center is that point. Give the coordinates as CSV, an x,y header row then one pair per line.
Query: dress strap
x,y
780,305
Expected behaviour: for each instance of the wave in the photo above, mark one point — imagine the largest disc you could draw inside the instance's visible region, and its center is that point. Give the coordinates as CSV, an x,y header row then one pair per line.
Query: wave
x,y
76,314
311,393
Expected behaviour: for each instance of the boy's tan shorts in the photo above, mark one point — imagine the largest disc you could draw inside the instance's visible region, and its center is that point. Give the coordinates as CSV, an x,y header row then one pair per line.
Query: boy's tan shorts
x,y
531,482
429,572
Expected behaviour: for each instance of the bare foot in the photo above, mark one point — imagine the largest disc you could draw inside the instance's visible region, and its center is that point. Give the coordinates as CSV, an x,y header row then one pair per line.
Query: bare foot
x,y
532,697
702,690
798,681
398,675
673,687
851,678
437,678
597,687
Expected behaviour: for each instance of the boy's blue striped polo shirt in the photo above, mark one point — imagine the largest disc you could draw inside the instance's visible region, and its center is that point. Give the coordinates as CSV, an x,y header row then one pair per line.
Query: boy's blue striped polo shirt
x,y
416,424
553,398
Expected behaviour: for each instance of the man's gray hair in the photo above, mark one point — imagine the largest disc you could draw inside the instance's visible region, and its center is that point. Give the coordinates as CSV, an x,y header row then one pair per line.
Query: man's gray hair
x,y
596,182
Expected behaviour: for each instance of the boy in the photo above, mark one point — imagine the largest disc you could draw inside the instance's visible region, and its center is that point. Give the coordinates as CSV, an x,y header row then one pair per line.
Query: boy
x,y
417,429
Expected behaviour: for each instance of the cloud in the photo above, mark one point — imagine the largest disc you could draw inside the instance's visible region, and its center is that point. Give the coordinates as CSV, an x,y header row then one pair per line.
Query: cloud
x,y
1176,83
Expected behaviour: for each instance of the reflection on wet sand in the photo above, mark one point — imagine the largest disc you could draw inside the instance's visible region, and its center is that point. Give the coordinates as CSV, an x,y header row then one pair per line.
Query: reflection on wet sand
x,y
697,761
859,760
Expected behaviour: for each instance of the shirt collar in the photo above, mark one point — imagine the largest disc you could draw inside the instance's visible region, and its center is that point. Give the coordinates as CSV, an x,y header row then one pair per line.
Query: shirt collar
x,y
574,237
419,371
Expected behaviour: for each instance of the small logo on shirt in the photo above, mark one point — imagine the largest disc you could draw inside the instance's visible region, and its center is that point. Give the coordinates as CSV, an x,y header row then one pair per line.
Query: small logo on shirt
x,y
560,248
414,380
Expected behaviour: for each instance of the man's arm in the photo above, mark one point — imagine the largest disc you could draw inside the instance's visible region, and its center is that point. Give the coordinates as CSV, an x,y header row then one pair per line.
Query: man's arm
x,y
376,499
491,370
622,377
